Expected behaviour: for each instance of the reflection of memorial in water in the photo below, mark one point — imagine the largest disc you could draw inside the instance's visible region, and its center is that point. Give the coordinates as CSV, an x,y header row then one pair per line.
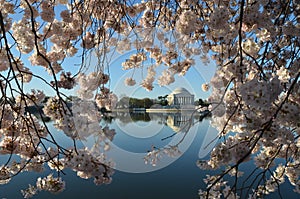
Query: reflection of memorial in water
x,y
179,121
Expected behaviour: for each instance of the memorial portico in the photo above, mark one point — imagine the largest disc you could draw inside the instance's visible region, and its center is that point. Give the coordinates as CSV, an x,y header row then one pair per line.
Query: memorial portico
x,y
182,98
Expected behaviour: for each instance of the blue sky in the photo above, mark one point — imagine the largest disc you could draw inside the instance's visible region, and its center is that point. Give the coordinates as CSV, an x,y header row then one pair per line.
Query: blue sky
x,y
192,81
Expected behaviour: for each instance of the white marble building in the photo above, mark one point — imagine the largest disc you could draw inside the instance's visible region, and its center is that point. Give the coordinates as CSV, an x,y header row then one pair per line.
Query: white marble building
x,y
181,98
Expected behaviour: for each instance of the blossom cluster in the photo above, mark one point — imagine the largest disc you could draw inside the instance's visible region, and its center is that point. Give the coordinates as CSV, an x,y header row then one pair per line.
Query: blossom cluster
x,y
83,162
155,154
254,92
89,165
49,183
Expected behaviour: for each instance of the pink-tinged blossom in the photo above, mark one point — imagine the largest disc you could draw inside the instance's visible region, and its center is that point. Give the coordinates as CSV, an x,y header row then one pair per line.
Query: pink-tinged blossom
x,y
129,81
255,90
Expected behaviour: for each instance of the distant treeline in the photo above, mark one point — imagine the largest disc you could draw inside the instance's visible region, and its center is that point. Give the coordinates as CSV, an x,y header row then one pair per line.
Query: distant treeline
x,y
129,102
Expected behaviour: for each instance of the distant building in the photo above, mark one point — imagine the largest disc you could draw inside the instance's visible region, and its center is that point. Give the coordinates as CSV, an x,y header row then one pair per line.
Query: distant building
x,y
181,98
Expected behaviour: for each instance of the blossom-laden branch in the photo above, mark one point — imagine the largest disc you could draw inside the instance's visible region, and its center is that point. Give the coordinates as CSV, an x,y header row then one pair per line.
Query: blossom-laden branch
x,y
255,90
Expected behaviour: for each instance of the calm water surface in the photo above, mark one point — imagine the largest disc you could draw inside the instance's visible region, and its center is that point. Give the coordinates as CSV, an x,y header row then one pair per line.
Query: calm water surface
x,y
172,178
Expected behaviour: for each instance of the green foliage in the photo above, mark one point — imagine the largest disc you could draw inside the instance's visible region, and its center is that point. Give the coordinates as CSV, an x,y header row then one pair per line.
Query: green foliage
x,y
127,102
202,103
163,100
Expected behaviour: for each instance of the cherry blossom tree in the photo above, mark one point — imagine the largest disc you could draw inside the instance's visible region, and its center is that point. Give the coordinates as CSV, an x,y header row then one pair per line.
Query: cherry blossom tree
x,y
255,91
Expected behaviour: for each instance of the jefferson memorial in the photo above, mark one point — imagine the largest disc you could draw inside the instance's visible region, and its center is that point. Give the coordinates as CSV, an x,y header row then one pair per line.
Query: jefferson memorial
x,y
181,98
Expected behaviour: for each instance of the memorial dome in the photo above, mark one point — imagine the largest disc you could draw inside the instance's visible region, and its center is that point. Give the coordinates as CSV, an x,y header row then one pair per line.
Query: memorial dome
x,y
181,91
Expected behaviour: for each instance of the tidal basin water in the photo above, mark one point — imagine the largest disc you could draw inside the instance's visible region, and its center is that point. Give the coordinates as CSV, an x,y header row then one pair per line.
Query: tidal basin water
x,y
136,133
